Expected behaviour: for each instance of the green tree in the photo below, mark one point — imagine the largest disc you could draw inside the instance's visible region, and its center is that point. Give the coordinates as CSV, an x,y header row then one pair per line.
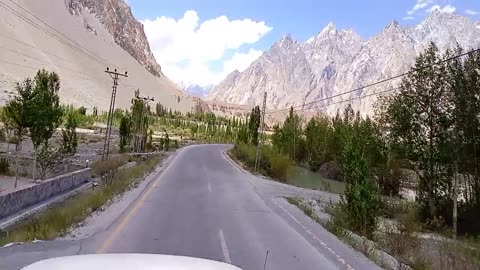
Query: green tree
x,y
139,120
419,117
82,110
254,125
47,112
125,131
316,133
18,114
288,138
69,135
166,142
360,200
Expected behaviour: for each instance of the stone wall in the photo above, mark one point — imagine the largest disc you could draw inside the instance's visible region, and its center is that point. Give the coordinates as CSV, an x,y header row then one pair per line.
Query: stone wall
x,y
25,167
16,200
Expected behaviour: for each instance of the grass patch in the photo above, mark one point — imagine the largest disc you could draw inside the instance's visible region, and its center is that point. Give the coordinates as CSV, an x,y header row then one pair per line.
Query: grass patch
x,y
307,209
57,221
101,167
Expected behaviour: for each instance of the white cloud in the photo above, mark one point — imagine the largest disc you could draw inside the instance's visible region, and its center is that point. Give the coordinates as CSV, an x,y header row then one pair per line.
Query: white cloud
x,y
420,4
185,47
445,9
241,61
407,18
471,12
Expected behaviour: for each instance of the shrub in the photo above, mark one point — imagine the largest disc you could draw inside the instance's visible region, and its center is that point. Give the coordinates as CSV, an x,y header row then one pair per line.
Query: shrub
x,y
280,166
100,167
272,162
82,110
4,166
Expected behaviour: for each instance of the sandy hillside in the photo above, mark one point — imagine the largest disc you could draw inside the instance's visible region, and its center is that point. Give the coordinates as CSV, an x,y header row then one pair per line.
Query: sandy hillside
x,y
25,48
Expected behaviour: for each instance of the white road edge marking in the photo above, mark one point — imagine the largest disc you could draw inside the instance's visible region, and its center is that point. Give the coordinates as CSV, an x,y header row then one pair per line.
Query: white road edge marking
x,y
338,257
226,255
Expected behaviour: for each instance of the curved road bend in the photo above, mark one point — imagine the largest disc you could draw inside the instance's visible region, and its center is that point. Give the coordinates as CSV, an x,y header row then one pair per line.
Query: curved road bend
x,y
203,206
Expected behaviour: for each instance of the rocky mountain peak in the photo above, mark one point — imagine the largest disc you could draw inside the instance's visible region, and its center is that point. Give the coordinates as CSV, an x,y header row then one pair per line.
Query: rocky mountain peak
x,y
286,42
393,25
116,16
335,61
329,29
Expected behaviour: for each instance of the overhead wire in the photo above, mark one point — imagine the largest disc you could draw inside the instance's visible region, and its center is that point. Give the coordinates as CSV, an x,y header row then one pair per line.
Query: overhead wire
x,y
77,47
60,33
413,70
70,76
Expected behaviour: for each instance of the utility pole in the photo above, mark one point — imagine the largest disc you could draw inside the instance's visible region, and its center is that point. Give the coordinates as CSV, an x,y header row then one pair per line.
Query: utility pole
x,y
106,144
144,101
262,125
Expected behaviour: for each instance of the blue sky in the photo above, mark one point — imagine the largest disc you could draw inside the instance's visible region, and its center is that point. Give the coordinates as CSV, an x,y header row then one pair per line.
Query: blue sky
x,y
252,26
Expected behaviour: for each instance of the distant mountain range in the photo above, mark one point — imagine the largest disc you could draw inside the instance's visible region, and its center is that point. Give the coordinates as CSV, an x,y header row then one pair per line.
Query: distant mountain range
x,y
335,61
196,90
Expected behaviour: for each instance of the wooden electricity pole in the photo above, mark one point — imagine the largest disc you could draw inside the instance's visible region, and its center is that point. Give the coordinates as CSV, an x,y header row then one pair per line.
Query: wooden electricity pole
x,y
106,144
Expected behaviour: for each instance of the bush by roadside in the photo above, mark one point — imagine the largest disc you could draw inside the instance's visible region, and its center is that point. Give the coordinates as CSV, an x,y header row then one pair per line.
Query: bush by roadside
x,y
57,221
402,237
272,162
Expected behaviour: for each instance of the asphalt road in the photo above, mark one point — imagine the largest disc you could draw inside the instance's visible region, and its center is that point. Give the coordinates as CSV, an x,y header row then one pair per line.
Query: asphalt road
x,y
204,206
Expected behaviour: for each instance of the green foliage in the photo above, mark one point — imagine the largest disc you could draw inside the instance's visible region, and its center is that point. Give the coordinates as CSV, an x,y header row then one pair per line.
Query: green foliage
x,y
69,135
139,121
433,123
166,142
46,112
57,221
125,131
272,162
316,134
288,138
160,110
360,200
17,112
149,145
4,166
82,110
280,165
85,121
254,125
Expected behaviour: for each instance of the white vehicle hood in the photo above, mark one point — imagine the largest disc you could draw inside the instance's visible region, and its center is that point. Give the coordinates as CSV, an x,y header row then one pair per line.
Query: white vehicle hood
x,y
128,262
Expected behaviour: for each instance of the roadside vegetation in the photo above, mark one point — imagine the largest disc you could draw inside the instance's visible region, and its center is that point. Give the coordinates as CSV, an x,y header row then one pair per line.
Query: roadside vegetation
x,y
56,222
424,136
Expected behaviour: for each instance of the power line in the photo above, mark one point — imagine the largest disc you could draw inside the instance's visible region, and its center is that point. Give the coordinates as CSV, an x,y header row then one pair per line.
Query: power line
x,y
41,60
60,33
79,49
413,70
360,97
53,64
33,47
73,77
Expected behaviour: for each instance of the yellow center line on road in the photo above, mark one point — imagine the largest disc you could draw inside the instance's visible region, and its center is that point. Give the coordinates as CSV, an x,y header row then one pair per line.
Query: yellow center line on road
x,y
138,203
104,247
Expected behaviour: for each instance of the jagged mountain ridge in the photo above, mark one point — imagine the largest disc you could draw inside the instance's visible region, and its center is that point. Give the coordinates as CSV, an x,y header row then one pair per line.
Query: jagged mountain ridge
x,y
78,55
116,16
337,61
